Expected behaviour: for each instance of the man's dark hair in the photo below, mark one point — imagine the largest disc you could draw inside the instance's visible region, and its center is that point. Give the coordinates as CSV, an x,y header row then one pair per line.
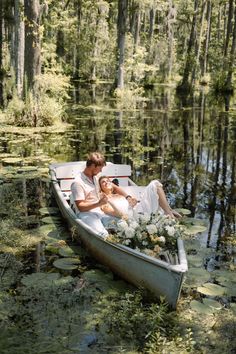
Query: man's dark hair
x,y
95,158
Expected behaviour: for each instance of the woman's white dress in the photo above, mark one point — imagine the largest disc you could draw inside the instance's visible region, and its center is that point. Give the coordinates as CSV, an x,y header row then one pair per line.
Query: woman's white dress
x,y
149,202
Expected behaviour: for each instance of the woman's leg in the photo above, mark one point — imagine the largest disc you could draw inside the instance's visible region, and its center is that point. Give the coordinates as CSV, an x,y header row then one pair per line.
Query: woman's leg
x,y
164,203
154,199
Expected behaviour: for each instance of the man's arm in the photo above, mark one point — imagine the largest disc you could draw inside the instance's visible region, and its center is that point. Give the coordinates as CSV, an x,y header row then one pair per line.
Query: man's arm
x,y
84,205
80,200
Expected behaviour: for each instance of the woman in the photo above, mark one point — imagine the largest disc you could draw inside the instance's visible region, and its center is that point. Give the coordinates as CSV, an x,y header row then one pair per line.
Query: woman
x,y
153,200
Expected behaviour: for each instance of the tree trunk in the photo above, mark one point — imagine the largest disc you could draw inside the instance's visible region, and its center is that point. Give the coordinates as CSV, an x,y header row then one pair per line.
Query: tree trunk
x,y
32,44
207,39
151,22
1,54
199,43
121,30
19,46
219,17
76,67
137,28
229,26
170,20
185,85
136,35
60,49
228,84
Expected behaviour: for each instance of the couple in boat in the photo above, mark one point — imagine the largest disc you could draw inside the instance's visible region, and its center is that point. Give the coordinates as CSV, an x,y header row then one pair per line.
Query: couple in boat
x,y
100,202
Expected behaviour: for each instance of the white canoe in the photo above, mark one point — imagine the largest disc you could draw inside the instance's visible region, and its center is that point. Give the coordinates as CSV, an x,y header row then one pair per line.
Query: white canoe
x,y
159,277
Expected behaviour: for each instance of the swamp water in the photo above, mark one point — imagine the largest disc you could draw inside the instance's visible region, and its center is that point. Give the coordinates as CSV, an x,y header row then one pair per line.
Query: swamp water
x,y
54,298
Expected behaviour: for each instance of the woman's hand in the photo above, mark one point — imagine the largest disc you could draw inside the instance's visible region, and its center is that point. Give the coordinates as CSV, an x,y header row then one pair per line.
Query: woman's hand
x,y
106,208
132,201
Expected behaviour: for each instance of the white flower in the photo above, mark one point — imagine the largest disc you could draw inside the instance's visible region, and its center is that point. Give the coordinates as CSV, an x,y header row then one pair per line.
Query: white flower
x,y
126,242
162,239
144,218
122,225
129,232
151,229
170,230
159,225
134,224
139,235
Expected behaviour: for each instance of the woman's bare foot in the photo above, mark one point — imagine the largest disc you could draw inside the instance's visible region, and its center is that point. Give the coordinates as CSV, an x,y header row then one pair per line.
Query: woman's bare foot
x,y
176,214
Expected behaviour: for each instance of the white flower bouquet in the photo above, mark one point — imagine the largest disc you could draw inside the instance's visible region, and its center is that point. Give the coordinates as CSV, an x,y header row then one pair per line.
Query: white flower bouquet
x,y
149,234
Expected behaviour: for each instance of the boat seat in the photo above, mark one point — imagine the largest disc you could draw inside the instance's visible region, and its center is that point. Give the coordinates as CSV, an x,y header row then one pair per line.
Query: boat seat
x,y
71,169
66,173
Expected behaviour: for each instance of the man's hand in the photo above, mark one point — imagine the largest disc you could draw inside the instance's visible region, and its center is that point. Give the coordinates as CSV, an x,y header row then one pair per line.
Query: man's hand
x,y
103,200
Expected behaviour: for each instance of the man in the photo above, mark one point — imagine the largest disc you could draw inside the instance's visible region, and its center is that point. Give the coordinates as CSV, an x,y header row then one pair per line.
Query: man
x,y
86,200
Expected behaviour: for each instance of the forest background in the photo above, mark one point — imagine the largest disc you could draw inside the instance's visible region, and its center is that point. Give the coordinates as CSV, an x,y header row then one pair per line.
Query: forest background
x,y
131,44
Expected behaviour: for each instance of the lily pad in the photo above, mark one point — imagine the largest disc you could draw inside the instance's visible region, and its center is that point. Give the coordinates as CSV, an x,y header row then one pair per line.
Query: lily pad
x,y
194,229
69,251
49,211
195,260
5,155
43,170
39,279
231,289
223,276
27,169
12,161
45,229
64,280
193,221
59,242
183,211
66,263
212,303
212,289
53,248
233,307
197,276
201,308
56,236
51,220
96,275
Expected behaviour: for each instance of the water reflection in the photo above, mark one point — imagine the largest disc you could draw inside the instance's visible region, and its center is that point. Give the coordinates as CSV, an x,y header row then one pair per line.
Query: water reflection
x,y
188,143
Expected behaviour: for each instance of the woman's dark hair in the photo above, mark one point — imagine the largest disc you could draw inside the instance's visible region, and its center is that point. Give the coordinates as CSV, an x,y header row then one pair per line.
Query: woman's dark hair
x,y
95,158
